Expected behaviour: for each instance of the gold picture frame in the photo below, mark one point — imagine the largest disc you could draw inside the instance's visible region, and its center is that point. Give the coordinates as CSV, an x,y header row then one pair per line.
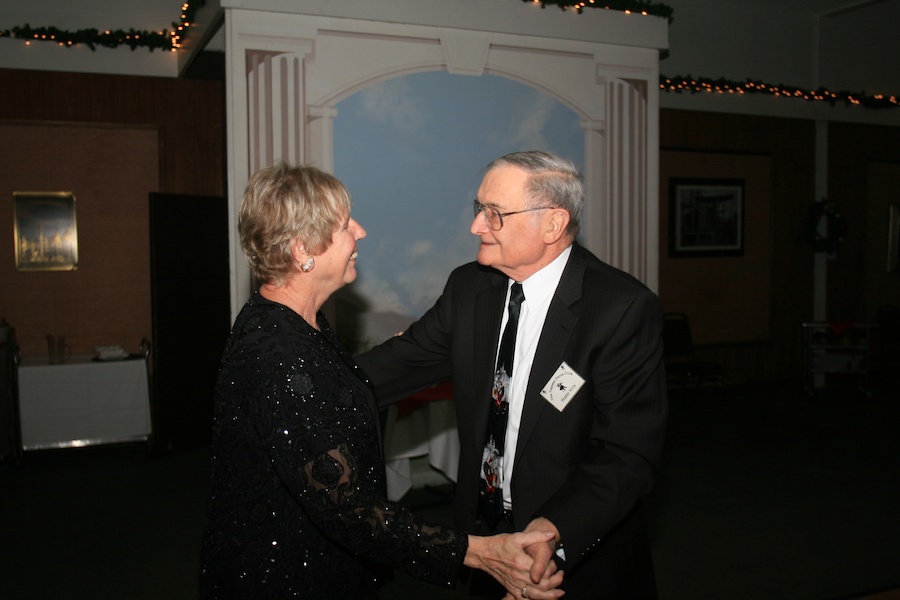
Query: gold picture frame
x,y
46,231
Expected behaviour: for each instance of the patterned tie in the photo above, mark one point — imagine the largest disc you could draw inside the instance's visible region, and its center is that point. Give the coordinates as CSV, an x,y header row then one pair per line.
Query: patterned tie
x,y
492,459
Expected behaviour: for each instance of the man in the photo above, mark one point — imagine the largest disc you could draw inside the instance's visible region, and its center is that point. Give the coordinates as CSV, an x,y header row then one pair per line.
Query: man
x,y
581,437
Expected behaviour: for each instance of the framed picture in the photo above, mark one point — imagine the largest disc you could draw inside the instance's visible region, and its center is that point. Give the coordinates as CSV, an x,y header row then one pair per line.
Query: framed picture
x,y
706,217
893,257
46,234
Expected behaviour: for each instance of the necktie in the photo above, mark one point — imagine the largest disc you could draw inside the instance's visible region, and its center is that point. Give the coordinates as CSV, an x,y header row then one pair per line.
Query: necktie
x,y
492,458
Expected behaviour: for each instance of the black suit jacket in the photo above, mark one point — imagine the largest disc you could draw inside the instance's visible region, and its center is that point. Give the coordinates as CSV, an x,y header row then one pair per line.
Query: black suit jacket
x,y
585,468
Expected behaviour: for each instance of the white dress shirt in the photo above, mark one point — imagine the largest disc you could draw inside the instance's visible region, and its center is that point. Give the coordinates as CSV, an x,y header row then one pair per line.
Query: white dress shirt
x,y
538,290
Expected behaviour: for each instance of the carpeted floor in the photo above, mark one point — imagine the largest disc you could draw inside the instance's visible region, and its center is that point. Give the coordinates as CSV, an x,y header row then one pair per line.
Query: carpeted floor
x,y
766,494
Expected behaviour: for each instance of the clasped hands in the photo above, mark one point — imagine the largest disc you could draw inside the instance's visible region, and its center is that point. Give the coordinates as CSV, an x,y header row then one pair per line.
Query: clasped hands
x,y
521,562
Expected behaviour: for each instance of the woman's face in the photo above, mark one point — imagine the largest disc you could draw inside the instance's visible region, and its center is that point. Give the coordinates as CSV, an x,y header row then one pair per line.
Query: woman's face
x,y
337,265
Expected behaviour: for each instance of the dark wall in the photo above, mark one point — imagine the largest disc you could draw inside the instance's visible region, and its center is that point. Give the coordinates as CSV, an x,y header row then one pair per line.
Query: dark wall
x,y
190,116
111,140
864,178
852,151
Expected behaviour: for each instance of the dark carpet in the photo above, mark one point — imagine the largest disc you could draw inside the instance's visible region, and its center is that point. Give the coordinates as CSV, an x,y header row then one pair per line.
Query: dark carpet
x,y
766,494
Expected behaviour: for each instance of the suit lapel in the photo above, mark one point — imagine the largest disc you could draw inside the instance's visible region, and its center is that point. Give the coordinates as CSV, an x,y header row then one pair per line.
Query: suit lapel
x,y
551,349
486,332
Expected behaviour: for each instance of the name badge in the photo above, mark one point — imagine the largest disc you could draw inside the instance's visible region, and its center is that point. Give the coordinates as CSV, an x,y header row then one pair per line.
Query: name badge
x,y
562,387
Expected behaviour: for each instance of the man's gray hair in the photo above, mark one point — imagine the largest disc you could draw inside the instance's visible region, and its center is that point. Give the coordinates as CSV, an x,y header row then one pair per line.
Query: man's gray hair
x,y
553,179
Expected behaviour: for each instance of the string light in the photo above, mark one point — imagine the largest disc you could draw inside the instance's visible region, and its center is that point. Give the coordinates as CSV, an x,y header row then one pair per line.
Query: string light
x,y
643,7
680,85
92,38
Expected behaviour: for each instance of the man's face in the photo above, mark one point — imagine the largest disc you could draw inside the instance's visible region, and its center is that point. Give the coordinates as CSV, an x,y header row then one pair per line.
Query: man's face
x,y
518,247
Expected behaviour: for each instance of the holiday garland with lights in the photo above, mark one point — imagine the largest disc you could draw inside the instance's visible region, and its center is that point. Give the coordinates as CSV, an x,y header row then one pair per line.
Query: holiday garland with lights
x,y
133,38
723,86
171,40
628,6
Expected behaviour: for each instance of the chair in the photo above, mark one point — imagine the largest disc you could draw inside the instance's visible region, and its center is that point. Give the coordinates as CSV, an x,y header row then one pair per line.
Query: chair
x,y
682,366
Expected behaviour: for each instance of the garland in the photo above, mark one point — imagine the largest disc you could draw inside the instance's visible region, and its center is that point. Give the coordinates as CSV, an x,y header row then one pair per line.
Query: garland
x,y
835,225
133,38
644,7
171,40
94,37
723,86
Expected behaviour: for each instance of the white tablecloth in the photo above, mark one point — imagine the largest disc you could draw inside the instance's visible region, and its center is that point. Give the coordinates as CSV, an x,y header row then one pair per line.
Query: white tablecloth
x,y
427,431
83,402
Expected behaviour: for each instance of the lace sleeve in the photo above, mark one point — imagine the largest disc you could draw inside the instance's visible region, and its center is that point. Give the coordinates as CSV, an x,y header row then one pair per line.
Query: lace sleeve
x,y
346,508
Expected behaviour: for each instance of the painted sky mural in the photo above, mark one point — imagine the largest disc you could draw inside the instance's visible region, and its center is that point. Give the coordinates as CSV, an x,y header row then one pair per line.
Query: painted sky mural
x,y
412,152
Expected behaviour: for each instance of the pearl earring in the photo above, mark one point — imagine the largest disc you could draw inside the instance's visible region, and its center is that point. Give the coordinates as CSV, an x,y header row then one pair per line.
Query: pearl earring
x,y
307,267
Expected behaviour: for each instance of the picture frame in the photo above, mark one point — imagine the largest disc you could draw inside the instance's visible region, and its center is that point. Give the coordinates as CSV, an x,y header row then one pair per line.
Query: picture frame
x,y
46,231
893,245
706,217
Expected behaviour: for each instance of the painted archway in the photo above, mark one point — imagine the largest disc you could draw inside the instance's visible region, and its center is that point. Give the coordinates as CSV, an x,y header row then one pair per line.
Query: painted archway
x,y
286,73
412,150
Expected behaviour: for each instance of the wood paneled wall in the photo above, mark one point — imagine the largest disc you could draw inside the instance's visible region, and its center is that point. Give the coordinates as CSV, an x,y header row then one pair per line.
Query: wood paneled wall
x,y
190,116
111,140
860,157
791,146
864,178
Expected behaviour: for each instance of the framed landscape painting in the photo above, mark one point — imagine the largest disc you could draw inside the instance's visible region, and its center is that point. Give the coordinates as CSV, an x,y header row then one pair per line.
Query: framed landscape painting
x,y
46,232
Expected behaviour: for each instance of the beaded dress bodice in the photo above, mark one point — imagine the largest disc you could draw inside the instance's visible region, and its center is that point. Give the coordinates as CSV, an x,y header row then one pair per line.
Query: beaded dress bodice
x,y
297,504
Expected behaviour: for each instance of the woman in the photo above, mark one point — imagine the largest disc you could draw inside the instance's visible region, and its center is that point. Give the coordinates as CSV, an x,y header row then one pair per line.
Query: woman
x,y
297,503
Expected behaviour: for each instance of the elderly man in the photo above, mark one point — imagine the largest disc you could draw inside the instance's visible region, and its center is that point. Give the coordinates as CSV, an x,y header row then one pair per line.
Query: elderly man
x,y
556,363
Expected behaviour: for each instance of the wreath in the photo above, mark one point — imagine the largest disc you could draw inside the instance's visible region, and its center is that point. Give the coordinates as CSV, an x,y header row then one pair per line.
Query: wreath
x,y
829,236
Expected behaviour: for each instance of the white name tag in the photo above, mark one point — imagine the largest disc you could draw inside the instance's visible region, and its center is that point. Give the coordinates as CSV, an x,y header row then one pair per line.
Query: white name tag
x,y
562,387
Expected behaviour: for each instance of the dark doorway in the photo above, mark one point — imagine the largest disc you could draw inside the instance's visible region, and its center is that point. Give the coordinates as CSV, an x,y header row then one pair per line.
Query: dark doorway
x,y
191,315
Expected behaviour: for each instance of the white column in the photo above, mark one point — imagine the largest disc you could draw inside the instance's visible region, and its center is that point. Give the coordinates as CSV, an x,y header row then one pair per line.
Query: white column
x,y
277,124
820,259
618,211
594,218
266,117
320,137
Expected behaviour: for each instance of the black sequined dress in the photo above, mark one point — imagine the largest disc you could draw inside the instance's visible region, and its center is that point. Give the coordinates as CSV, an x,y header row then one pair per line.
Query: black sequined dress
x,y
297,505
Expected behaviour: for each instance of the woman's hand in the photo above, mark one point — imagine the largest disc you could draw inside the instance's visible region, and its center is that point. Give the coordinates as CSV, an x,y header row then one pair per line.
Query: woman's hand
x,y
504,557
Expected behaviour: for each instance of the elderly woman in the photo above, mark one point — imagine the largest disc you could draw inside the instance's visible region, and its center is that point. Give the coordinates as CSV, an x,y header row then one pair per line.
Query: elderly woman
x,y
297,504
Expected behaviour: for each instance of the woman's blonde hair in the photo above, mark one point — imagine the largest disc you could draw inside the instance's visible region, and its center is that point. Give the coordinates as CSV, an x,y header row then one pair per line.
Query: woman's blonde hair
x,y
284,203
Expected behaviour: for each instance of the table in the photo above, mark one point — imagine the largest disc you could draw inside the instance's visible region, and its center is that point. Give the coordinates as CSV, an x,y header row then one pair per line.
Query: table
x,y
83,402
428,430
838,348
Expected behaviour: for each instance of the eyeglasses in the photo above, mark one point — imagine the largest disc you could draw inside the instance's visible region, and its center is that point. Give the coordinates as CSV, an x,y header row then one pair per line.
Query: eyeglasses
x,y
494,218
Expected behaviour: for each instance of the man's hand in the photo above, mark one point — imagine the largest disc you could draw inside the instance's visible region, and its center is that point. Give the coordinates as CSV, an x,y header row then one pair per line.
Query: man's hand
x,y
542,552
504,557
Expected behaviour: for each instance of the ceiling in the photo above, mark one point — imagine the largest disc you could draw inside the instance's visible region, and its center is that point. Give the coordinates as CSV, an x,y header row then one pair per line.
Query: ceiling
x,y
156,14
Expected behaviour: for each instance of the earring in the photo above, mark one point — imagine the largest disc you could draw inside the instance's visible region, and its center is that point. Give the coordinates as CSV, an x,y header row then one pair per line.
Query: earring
x,y
307,267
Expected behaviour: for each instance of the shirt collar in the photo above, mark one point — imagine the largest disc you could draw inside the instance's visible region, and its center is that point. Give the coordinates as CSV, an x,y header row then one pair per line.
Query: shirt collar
x,y
541,285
